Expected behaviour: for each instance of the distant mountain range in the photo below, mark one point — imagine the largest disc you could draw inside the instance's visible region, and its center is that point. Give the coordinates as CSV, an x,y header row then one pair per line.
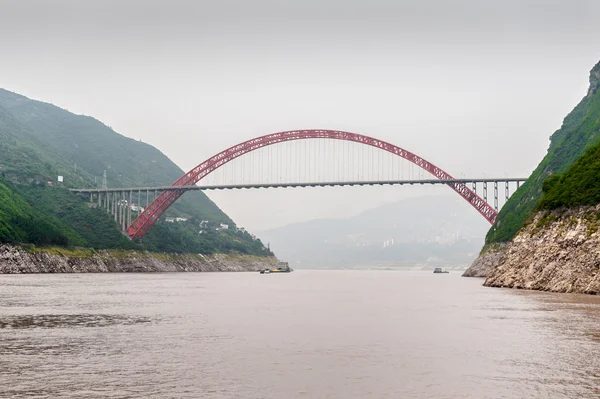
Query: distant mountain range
x,y
432,230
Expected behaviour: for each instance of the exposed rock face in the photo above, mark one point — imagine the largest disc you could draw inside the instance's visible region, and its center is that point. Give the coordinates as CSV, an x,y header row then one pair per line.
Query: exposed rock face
x,y
594,79
557,251
492,257
52,260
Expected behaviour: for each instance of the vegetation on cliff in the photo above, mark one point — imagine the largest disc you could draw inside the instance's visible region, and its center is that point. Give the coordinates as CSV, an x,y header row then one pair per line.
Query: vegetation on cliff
x,y
578,185
48,141
45,215
20,222
580,131
39,141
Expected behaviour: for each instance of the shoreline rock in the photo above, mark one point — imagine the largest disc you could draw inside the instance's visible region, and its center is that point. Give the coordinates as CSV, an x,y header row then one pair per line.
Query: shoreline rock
x,y
27,259
490,258
557,251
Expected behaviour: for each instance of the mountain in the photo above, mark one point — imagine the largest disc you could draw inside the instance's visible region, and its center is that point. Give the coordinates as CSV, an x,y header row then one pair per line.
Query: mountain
x,y
580,131
24,155
431,229
81,148
579,185
45,215
40,141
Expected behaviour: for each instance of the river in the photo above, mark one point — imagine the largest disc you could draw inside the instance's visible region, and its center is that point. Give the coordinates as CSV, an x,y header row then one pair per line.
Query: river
x,y
308,334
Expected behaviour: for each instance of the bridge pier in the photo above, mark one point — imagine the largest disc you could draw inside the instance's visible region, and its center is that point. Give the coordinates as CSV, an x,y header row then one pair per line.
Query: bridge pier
x,y
485,191
117,207
118,202
129,203
496,196
114,205
123,210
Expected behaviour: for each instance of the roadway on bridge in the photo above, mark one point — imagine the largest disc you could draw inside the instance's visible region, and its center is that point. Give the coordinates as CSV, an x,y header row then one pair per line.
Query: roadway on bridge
x,y
517,180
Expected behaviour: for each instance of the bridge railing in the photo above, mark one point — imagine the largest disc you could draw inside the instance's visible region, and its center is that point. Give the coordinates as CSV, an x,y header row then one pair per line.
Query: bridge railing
x,y
125,203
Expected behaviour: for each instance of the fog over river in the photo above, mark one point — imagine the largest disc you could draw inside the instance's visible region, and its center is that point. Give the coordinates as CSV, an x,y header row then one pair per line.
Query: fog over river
x,y
308,334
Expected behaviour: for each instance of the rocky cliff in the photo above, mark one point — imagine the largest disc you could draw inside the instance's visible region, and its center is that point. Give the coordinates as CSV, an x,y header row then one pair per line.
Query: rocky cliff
x,y
58,260
579,133
557,251
493,256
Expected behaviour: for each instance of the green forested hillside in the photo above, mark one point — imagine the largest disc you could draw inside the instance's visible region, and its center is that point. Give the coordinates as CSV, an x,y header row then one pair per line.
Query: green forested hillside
x,y
580,131
24,156
20,222
39,141
579,185
90,147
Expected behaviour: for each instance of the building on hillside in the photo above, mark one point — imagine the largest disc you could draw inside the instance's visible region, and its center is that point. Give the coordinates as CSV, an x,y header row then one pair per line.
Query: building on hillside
x,y
175,220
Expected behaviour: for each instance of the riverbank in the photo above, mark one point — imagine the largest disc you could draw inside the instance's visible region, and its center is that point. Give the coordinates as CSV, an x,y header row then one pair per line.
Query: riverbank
x,y
489,258
30,259
557,251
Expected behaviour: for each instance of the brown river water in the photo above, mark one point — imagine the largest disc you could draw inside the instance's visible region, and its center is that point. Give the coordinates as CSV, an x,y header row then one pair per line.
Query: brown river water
x,y
308,334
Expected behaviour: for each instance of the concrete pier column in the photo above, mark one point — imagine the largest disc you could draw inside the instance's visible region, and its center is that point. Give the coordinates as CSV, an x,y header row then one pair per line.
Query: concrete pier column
x,y
147,198
485,191
496,195
129,203
119,208
123,212
506,191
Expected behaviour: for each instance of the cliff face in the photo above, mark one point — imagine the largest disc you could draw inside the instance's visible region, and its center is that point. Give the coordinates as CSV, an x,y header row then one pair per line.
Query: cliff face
x,y
487,261
558,251
579,132
53,260
594,80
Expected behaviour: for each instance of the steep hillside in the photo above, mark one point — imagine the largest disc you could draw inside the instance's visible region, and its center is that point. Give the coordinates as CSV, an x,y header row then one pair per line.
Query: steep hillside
x,y
580,131
559,249
24,157
20,222
578,185
92,147
434,229
39,141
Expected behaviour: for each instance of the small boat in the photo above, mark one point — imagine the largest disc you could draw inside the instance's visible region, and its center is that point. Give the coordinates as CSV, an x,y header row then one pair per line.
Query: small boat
x,y
439,270
282,267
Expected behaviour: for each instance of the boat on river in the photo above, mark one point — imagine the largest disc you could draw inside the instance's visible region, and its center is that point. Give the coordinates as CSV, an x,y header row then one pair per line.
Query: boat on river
x,y
439,270
282,267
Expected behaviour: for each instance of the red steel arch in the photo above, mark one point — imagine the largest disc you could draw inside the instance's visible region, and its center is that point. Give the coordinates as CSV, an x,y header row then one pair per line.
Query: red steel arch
x,y
157,208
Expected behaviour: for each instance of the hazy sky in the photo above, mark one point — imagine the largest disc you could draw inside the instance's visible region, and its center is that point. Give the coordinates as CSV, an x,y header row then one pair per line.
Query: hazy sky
x,y
475,86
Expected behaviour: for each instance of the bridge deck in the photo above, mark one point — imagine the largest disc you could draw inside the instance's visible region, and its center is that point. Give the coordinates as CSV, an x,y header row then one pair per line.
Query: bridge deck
x,y
300,184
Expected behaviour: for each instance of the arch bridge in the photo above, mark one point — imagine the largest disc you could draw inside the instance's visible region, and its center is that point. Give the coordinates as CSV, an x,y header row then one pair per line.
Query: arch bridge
x,y
120,201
